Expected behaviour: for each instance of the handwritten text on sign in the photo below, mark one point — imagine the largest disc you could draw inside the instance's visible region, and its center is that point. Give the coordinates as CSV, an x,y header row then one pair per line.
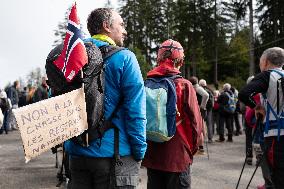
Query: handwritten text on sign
x,y
47,123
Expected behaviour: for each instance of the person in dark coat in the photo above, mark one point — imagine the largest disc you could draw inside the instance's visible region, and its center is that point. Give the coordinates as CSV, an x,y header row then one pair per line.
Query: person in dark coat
x,y
41,92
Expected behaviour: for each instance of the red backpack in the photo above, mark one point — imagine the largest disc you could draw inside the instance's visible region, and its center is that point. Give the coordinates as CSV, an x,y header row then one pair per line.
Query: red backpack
x,y
192,123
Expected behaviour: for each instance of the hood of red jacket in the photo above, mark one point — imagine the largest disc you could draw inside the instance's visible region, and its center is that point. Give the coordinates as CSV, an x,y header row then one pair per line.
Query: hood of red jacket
x,y
165,67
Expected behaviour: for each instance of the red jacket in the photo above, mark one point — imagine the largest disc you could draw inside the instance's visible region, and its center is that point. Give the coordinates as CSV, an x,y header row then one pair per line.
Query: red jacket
x,y
176,154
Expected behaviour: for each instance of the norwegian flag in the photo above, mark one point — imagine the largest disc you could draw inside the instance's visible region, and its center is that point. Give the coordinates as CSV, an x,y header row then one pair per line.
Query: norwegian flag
x,y
73,56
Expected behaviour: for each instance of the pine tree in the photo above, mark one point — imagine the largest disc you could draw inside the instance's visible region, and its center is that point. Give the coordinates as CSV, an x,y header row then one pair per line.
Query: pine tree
x,y
271,22
60,32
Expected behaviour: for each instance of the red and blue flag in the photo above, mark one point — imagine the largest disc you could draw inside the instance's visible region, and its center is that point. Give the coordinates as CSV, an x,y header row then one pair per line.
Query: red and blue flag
x,y
73,56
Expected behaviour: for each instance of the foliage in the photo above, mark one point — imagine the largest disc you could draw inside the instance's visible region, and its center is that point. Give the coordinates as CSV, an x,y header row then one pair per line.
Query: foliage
x,y
235,82
145,67
34,77
271,22
207,36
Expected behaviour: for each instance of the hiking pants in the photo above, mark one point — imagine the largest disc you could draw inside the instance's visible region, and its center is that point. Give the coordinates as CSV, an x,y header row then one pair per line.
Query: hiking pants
x,y
266,173
249,140
5,123
275,156
209,124
215,122
237,122
225,118
98,173
168,180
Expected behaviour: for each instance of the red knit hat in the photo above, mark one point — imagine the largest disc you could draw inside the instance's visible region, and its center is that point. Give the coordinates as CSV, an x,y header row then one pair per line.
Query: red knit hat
x,y
172,47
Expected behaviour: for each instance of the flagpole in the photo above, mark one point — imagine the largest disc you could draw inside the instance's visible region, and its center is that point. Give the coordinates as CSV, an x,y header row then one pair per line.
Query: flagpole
x,y
87,136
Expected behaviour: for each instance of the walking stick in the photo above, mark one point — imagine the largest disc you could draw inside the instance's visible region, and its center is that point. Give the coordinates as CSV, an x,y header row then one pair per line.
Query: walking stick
x,y
257,165
206,143
206,139
258,122
56,160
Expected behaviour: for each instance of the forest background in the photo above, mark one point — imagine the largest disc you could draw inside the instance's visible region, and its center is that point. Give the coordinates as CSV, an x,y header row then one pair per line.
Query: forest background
x,y
223,39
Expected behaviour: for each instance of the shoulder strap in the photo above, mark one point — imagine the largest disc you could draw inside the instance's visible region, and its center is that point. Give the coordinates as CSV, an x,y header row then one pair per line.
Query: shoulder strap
x,y
278,71
173,77
228,94
109,50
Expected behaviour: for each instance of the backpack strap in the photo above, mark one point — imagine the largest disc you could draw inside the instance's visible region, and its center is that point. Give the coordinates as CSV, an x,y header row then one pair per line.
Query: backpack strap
x,y
109,50
94,133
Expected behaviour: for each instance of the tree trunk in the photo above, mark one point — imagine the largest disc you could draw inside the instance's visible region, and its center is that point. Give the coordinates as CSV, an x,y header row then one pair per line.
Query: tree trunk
x,y
216,47
251,40
194,42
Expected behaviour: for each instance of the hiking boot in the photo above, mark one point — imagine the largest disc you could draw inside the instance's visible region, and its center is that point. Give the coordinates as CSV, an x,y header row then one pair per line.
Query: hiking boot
x,y
249,161
230,140
237,133
200,152
220,140
261,186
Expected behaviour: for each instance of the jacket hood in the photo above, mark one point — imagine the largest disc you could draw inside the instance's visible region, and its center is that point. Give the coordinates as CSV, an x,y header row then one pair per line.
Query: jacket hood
x,y
165,68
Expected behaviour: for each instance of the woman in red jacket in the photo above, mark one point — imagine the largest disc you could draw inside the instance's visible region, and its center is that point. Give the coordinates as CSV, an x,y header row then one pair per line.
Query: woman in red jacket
x,y
168,163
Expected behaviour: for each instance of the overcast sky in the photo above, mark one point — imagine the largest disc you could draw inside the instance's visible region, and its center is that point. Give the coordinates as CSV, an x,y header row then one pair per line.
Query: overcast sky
x,y
27,32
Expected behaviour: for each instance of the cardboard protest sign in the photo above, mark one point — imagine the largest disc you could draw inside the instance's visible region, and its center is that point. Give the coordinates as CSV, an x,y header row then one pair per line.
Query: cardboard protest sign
x,y
50,122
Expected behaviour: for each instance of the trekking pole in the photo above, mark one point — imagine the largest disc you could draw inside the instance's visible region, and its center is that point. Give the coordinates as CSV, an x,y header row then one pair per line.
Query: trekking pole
x,y
56,160
257,165
242,171
206,139
258,121
206,143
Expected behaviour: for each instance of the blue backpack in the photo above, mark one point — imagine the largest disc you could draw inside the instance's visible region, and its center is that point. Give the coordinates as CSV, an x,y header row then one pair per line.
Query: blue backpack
x,y
231,105
161,108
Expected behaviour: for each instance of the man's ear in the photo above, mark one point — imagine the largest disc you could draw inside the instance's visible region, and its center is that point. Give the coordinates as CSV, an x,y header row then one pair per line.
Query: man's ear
x,y
267,63
106,27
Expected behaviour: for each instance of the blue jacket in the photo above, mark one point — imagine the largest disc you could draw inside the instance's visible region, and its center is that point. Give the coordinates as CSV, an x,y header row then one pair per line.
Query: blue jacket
x,y
123,79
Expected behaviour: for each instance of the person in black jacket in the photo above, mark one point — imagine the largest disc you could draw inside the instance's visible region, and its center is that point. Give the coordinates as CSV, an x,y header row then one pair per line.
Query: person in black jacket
x,y
13,95
266,83
41,92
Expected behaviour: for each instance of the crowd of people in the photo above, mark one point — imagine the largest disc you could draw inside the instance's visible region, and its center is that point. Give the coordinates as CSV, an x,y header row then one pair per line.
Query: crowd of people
x,y
200,113
16,96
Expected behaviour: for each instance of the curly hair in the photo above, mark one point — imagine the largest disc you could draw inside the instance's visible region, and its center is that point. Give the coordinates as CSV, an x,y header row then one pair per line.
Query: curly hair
x,y
97,17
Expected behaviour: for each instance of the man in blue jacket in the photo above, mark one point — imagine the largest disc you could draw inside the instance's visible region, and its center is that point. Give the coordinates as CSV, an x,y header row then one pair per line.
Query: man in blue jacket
x,y
91,167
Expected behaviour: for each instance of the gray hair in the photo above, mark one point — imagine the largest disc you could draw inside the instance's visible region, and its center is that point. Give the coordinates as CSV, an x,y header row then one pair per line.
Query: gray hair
x,y
274,55
96,19
227,86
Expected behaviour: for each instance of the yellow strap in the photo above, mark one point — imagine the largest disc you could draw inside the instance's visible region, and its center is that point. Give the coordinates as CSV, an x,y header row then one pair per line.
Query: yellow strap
x,y
104,38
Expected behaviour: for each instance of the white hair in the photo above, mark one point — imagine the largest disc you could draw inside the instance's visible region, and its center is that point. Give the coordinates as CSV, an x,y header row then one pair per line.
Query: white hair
x,y
202,82
3,94
227,86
